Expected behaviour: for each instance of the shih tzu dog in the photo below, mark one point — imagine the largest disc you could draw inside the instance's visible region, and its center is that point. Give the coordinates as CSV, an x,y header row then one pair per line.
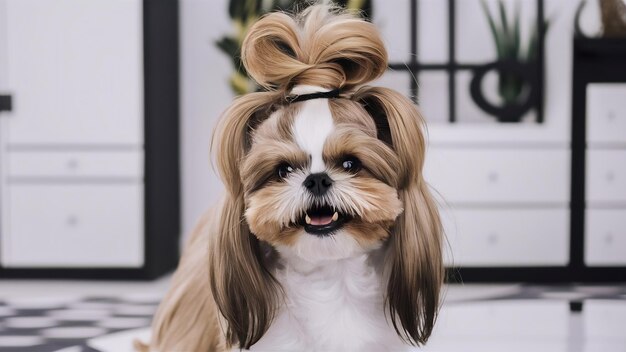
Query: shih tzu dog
x,y
328,238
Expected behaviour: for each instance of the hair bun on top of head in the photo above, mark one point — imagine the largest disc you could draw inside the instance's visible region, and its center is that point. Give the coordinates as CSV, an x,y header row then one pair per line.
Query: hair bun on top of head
x,y
322,46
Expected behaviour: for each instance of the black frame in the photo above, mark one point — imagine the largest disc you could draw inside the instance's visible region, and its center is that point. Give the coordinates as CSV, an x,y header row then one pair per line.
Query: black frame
x,y
414,67
161,143
599,60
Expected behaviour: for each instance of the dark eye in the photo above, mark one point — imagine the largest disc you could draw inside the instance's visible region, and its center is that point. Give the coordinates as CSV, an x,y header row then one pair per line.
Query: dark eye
x,y
284,170
351,164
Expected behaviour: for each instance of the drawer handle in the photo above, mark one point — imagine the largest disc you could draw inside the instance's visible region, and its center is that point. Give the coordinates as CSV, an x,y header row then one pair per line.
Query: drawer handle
x,y
72,221
492,238
610,176
611,115
493,177
608,238
72,164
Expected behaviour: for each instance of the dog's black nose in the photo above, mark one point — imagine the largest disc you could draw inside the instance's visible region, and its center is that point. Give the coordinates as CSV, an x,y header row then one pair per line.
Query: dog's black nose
x,y
318,183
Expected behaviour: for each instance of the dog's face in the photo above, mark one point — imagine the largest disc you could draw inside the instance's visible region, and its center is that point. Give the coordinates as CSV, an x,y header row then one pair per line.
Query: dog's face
x,y
318,181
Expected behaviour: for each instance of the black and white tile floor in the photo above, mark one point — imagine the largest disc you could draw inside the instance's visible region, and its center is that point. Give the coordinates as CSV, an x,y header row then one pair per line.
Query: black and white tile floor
x,y
32,325
476,318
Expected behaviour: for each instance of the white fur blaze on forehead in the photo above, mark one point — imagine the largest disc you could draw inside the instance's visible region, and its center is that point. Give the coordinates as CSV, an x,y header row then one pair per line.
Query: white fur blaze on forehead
x,y
313,124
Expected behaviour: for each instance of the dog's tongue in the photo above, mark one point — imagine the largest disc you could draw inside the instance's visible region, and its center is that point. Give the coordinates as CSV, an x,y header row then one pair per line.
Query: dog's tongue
x,y
321,220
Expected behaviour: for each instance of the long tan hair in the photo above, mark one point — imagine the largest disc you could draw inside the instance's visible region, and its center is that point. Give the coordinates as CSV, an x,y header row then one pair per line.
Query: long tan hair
x,y
414,260
243,288
322,46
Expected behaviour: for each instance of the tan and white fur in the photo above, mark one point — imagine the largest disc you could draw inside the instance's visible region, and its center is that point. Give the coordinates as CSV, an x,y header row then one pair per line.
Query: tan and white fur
x,y
327,238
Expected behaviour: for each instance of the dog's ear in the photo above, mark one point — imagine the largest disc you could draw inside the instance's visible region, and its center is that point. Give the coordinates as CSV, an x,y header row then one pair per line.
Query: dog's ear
x,y
244,290
400,125
414,259
232,136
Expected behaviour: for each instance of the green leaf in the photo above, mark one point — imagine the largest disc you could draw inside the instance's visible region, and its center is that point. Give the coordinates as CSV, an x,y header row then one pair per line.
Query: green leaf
x,y
494,30
516,52
236,9
242,10
252,10
289,5
240,84
230,47
506,33
531,52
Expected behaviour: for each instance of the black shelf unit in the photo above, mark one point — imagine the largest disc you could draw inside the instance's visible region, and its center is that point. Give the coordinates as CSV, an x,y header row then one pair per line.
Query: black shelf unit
x,y
594,61
161,156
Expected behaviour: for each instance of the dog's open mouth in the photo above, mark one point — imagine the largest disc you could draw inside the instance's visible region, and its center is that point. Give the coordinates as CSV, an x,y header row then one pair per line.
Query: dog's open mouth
x,y
322,220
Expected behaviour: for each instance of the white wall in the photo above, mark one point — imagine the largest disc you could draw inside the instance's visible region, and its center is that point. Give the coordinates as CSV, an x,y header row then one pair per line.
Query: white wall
x,y
205,92
204,95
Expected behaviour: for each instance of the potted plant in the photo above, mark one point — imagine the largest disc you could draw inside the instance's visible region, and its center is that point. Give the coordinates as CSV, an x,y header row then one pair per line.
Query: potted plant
x,y
516,65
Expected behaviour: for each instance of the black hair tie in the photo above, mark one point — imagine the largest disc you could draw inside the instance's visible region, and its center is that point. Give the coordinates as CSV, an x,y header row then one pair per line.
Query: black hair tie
x,y
303,97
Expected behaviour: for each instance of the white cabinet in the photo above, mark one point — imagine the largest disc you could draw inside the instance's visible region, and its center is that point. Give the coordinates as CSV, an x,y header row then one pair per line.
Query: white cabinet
x,y
503,206
605,237
74,225
508,237
605,176
505,175
606,113
74,68
76,164
74,170
73,143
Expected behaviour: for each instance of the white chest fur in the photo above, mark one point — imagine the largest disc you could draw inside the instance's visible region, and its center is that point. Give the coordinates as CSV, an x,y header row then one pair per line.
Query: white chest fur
x,y
336,306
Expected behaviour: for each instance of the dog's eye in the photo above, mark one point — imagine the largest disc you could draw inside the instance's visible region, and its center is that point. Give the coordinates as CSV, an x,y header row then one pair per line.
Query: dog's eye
x,y
284,170
351,164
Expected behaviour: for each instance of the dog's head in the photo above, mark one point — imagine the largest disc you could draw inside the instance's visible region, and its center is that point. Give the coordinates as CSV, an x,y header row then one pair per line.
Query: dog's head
x,y
317,180
323,168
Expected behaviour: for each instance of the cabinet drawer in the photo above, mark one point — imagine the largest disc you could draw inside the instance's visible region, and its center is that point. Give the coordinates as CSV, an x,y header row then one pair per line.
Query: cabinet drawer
x,y
605,237
606,176
73,226
79,164
506,175
67,87
507,237
606,112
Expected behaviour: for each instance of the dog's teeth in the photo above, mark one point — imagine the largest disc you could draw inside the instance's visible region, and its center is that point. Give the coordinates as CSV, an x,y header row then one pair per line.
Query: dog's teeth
x,y
307,219
335,216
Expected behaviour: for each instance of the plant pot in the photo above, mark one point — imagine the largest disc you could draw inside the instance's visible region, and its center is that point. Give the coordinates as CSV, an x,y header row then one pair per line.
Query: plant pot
x,y
513,111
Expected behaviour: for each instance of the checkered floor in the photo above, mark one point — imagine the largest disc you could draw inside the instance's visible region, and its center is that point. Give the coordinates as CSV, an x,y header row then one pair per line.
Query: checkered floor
x,y
474,318
43,325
